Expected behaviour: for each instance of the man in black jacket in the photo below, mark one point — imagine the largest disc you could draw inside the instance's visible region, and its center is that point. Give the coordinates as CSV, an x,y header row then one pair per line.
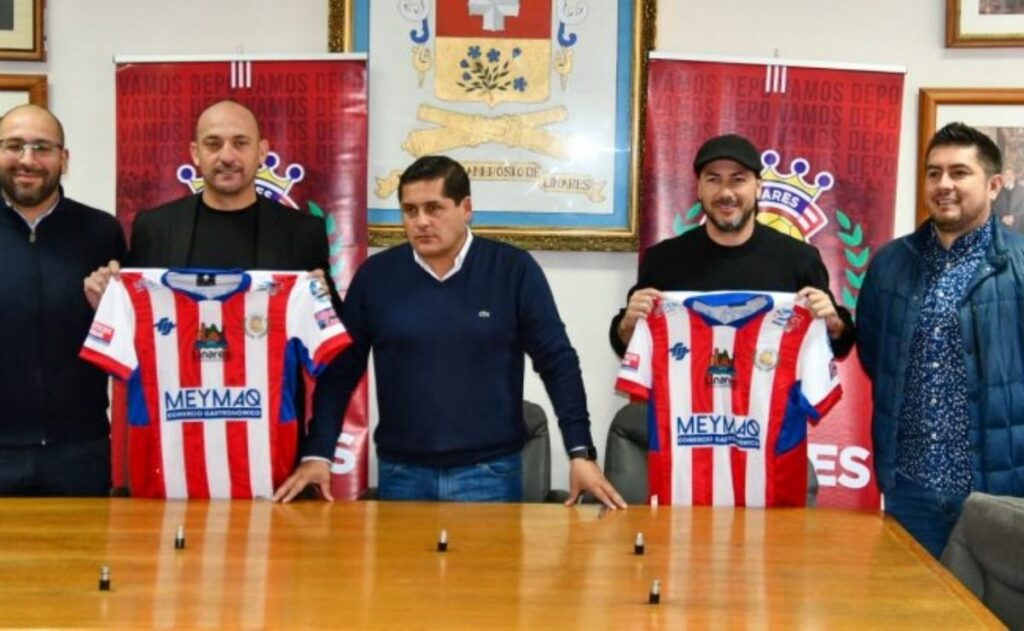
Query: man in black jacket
x,y
732,251
54,432
229,224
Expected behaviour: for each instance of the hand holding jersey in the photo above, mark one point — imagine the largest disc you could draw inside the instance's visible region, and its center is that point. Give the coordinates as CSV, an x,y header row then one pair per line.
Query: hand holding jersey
x,y
210,358
733,378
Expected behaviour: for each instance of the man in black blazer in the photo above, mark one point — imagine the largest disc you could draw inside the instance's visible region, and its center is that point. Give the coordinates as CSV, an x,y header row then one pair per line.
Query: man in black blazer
x,y
228,224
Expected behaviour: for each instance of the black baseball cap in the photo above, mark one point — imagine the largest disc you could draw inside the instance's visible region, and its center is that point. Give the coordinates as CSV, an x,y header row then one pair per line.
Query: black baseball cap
x,y
728,147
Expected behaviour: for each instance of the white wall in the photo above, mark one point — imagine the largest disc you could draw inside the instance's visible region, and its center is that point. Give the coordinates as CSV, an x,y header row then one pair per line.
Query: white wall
x,y
84,36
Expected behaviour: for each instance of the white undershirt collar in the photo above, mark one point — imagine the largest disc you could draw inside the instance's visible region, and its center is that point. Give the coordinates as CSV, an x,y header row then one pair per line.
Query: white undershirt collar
x,y
459,259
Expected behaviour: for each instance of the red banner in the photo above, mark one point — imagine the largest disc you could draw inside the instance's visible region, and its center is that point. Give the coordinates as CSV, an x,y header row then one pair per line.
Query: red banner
x,y
829,139
313,112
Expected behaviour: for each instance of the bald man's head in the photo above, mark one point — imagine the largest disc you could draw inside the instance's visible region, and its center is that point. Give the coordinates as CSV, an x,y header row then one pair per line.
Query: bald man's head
x,y
228,150
40,112
227,107
32,158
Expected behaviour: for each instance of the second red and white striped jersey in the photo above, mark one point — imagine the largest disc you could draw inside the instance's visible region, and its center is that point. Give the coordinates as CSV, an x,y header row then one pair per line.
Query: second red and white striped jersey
x,y
732,379
211,359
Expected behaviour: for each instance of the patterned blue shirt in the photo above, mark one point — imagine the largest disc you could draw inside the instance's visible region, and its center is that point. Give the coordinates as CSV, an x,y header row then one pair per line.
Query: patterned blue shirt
x,y
932,443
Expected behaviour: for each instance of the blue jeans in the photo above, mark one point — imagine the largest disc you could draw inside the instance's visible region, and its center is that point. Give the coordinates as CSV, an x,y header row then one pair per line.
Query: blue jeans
x,y
498,480
927,515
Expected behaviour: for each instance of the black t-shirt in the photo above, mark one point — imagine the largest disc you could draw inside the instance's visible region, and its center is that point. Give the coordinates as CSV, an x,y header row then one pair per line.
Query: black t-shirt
x,y
768,261
225,238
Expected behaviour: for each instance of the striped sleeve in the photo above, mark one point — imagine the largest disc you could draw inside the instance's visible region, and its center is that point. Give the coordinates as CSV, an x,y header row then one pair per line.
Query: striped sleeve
x,y
110,343
313,323
817,371
634,376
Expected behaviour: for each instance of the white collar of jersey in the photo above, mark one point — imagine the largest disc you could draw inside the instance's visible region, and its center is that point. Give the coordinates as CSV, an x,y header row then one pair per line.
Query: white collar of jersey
x,y
729,309
459,258
207,284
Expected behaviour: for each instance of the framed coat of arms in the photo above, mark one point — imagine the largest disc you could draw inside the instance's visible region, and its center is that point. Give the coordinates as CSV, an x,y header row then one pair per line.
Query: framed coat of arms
x,y
539,99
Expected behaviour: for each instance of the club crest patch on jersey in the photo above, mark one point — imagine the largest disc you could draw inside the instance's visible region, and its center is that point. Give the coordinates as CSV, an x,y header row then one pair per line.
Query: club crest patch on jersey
x,y
210,344
256,326
721,372
766,359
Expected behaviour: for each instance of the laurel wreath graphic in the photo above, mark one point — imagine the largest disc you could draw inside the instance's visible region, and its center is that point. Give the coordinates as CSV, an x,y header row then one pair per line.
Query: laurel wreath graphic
x,y
852,236
687,222
335,240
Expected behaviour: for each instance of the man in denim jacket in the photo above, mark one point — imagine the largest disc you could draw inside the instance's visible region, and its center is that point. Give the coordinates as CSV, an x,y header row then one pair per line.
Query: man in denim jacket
x,y
941,334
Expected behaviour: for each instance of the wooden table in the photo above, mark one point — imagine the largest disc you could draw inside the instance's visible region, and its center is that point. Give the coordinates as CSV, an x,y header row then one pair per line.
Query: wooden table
x,y
368,564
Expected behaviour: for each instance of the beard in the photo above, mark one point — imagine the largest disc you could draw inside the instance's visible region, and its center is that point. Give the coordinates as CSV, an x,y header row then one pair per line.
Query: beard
x,y
735,225
28,196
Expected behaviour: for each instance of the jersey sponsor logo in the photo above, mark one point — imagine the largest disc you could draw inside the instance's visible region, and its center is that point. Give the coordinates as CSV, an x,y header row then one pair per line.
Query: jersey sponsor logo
x,y
678,351
144,284
256,326
202,404
720,372
325,318
766,359
318,289
272,287
787,318
631,361
164,326
709,430
484,314
101,333
210,344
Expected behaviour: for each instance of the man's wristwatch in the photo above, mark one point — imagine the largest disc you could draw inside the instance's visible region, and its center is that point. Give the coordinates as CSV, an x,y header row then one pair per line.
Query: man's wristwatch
x,y
590,453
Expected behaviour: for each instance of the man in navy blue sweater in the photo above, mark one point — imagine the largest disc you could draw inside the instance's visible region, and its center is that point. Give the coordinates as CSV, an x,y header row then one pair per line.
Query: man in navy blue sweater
x,y
449,316
54,432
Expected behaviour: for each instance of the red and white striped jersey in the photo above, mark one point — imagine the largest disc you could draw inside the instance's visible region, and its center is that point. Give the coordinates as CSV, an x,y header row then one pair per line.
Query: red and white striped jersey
x,y
731,379
211,362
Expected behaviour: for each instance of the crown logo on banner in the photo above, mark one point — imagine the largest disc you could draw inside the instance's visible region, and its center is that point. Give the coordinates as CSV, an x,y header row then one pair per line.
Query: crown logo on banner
x,y
268,182
788,201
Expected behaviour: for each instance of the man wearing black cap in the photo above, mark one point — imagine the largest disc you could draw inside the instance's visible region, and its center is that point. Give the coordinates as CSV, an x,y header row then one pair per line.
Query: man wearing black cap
x,y
731,250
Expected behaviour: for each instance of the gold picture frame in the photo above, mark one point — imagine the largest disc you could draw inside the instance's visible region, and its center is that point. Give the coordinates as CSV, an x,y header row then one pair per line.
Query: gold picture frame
x,y
978,107
979,24
16,89
21,31
344,18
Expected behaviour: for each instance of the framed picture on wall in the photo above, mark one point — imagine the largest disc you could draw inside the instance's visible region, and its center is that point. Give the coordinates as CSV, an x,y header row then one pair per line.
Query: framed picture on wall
x,y
999,112
984,23
538,99
21,30
19,89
